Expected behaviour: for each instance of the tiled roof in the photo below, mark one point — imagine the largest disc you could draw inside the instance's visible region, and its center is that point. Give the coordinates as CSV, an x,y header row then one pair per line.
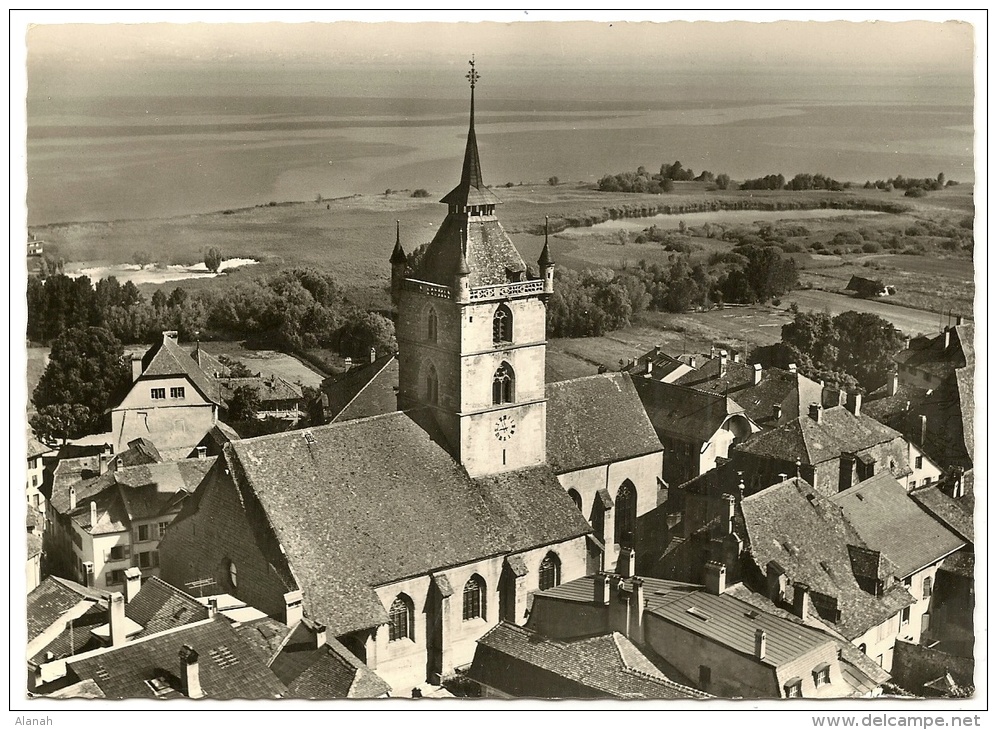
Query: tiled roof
x,y
37,448
51,599
806,534
791,391
208,363
813,443
327,493
662,365
888,520
76,636
952,513
522,663
158,606
931,355
87,689
329,671
168,359
268,389
960,563
34,519
266,634
228,666
682,412
34,545
488,251
139,451
596,420
732,623
364,391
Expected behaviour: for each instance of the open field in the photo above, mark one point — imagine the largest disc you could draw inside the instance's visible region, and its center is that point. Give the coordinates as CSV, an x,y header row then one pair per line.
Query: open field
x,y
909,321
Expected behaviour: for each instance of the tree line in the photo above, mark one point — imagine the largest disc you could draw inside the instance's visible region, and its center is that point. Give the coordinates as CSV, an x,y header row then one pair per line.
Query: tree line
x,y
643,181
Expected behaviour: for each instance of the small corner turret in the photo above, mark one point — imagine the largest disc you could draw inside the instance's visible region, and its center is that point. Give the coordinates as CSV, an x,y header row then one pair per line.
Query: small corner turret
x,y
399,262
545,262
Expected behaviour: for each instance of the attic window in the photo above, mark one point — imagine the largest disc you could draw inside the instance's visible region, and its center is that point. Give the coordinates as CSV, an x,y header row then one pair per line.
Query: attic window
x,y
822,674
693,611
159,685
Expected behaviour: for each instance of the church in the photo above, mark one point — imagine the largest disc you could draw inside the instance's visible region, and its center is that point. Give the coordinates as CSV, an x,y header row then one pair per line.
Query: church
x,y
410,534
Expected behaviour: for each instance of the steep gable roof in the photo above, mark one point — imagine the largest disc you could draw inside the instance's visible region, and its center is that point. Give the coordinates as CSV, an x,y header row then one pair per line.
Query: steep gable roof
x,y
839,431
682,412
931,354
158,606
888,520
229,668
168,359
596,420
364,391
328,494
52,599
523,663
954,514
268,389
792,525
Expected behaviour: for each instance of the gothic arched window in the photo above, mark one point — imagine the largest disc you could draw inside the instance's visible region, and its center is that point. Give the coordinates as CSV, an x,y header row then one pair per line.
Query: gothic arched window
x,y
502,325
576,498
503,385
400,618
626,514
432,325
432,385
550,571
474,598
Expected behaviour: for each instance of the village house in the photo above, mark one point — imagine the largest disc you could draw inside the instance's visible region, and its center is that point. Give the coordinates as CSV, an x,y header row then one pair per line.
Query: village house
x,y
695,428
37,454
925,362
276,397
35,525
105,517
833,449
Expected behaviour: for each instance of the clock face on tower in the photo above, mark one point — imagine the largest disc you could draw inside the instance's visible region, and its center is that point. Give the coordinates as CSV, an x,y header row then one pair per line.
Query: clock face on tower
x,y
505,427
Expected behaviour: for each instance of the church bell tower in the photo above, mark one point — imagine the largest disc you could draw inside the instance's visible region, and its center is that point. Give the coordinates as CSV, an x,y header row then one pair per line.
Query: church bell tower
x,y
472,330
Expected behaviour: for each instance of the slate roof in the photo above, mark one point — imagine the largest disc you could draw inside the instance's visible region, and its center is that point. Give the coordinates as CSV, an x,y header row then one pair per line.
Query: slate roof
x,y
888,520
87,689
52,599
327,492
807,535
327,672
139,451
265,634
596,420
792,391
208,363
229,667
662,365
361,392
132,493
930,354
34,541
955,515
268,389
168,359
481,243
732,623
37,448
813,443
158,606
522,663
684,413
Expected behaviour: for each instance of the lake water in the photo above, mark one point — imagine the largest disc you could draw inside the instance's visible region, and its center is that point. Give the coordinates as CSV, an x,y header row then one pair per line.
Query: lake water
x,y
153,274
737,217
167,141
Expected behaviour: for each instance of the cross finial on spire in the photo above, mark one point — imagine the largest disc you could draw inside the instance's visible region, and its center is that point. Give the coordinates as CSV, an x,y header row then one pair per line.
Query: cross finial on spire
x,y
472,75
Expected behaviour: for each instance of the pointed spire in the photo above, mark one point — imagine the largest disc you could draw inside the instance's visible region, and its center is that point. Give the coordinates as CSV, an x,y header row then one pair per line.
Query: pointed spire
x,y
471,190
398,255
545,259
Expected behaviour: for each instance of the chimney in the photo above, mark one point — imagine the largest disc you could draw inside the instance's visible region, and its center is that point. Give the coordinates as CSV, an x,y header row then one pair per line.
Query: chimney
x,y
601,589
627,562
923,431
116,619
72,498
136,367
723,363
93,514
906,343
815,410
948,337
650,367
373,354
737,356
88,574
102,461
657,349
776,412
170,335
133,582
320,636
202,452
801,600
715,578
190,673
212,606
728,507
636,627
756,375
783,476
293,609
791,367
958,487
958,320
760,644
692,362
775,578
853,403
893,384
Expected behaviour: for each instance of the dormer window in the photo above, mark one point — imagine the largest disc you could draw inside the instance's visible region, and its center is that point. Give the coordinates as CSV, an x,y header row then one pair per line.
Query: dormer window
x,y
794,687
822,675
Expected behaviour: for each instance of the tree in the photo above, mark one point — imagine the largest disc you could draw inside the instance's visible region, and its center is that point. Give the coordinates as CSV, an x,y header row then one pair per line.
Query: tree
x,y
61,422
213,259
236,368
243,404
365,331
86,367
